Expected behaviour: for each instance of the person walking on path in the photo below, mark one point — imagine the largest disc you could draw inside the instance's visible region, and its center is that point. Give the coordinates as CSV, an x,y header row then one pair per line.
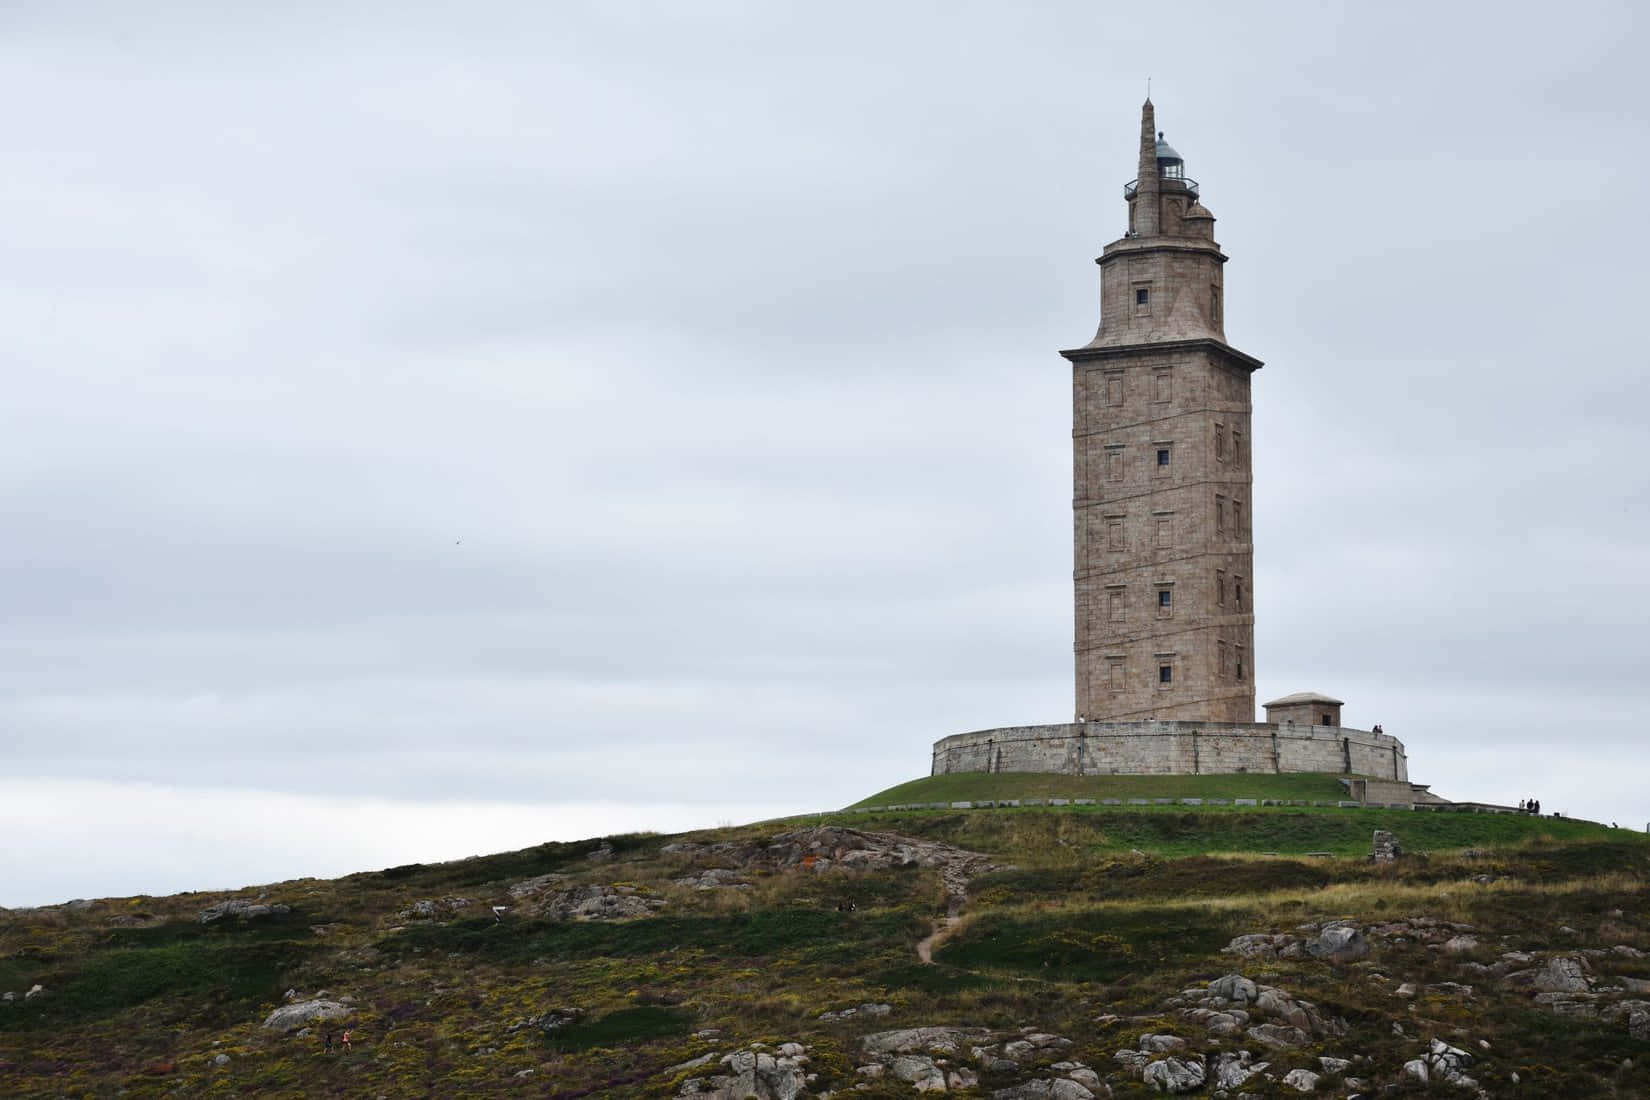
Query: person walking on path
x,y
344,1041
327,1039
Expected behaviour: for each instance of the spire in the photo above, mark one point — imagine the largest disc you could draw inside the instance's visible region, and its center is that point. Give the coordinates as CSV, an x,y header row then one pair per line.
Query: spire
x,y
1146,213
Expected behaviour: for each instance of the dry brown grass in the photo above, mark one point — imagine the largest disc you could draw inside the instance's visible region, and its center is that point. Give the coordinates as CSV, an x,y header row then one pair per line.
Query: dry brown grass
x,y
1438,899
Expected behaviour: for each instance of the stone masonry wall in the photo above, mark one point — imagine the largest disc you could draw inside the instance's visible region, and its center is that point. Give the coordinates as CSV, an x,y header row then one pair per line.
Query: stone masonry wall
x,y
1172,748
1147,525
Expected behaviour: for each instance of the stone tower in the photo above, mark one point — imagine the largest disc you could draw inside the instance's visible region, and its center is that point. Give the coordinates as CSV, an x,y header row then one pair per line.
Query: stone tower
x,y
1161,476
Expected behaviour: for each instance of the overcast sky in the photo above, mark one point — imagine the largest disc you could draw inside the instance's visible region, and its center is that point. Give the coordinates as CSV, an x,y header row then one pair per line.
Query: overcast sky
x,y
433,429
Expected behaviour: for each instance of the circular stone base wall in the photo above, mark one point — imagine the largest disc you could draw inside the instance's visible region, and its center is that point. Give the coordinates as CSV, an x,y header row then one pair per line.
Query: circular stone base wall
x,y
1172,748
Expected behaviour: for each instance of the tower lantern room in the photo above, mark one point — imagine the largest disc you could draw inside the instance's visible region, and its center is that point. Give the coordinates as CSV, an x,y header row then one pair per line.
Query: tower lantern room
x,y
1171,175
1171,166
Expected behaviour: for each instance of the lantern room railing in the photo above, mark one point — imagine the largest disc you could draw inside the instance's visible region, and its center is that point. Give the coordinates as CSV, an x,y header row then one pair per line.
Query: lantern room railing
x,y
1170,182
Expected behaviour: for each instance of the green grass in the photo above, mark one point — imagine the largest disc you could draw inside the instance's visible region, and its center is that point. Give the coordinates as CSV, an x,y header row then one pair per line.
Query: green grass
x,y
209,974
293,926
975,786
736,936
1085,833
1089,945
624,1027
1194,876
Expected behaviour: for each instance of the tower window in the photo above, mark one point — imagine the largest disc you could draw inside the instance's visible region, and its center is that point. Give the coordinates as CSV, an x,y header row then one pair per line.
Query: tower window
x,y
1115,605
1114,388
1114,674
1165,603
1163,456
1326,720
1114,464
1165,674
1165,532
1162,385
1220,587
1237,519
1220,513
1225,663
1240,662
1220,441
1114,534
1142,295
1237,593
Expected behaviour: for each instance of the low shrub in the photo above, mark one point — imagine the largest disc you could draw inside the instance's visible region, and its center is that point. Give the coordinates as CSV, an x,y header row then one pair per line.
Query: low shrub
x,y
626,1026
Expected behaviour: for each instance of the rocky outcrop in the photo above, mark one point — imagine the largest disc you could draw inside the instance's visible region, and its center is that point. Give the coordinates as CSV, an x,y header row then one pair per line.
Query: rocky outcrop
x,y
1444,1063
753,1074
1271,1016
1427,930
823,847
1161,1044
1560,974
556,1019
529,887
926,1058
303,1013
1181,1071
1175,1075
1636,1013
865,1010
1052,1088
1385,847
932,1040
1265,945
1132,1062
1301,1080
434,909
1336,941
1339,941
1232,1069
713,879
242,910
1279,1036
951,1059
599,903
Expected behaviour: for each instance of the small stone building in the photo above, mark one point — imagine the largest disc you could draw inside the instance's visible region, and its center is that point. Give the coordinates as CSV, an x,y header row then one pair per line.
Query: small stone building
x,y
1304,708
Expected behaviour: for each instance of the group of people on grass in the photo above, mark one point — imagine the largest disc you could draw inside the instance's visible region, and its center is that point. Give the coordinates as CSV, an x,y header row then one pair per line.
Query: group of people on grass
x,y
1529,806
343,1040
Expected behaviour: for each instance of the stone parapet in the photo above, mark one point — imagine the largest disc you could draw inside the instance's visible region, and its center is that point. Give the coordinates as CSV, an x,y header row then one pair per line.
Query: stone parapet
x,y
1173,748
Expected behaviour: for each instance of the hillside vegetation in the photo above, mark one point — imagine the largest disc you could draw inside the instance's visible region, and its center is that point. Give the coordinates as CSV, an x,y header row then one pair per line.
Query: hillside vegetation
x,y
1091,953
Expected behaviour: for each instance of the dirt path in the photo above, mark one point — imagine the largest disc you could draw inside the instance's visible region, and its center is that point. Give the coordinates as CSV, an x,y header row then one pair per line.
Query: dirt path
x,y
955,878
925,947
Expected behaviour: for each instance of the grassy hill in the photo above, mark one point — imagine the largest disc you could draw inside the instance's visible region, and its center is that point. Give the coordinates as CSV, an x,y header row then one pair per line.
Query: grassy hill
x,y
1082,924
